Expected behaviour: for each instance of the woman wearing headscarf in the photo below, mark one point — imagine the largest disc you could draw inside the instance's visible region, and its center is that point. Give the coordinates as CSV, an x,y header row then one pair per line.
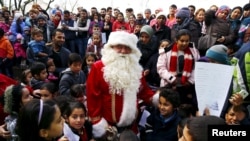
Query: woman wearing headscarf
x,y
218,26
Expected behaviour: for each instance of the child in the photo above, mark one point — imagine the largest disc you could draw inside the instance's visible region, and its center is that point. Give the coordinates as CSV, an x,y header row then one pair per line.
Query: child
x,y
77,92
138,26
128,135
26,77
96,44
72,75
76,122
150,71
96,28
40,52
40,121
14,98
89,59
181,126
26,36
20,51
162,123
48,91
39,75
4,26
37,45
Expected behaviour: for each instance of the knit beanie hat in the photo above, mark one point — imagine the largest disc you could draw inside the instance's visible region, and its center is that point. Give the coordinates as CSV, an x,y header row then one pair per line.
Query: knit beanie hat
x,y
183,13
223,8
159,9
246,7
19,36
218,53
161,14
26,28
148,30
18,15
41,17
12,98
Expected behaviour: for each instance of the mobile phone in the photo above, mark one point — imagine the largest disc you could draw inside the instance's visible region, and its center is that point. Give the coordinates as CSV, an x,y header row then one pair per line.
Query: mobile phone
x,y
243,93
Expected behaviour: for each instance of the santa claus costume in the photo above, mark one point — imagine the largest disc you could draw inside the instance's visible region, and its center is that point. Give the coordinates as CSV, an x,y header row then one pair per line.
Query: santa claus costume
x,y
115,84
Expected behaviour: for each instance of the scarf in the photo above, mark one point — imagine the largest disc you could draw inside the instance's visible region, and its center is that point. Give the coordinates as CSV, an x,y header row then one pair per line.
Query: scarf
x,y
188,63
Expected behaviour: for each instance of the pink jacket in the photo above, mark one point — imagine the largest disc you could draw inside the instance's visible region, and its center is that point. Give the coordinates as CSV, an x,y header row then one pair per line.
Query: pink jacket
x,y
163,65
19,50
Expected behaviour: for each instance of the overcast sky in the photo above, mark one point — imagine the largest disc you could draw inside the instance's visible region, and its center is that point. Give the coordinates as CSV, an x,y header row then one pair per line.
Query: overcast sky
x,y
140,5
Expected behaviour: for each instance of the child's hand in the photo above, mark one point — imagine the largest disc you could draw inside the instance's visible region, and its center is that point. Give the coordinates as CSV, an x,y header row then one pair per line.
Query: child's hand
x,y
111,133
63,139
236,99
3,132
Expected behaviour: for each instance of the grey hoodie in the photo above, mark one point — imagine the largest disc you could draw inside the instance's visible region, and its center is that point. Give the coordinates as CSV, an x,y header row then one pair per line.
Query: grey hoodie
x,y
68,79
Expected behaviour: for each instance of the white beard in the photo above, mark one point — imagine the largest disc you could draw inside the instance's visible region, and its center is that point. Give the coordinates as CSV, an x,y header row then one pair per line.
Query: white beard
x,y
123,74
121,71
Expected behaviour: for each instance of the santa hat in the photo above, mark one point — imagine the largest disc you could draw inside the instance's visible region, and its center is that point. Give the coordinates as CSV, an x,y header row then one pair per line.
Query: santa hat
x,y
123,38
183,13
218,53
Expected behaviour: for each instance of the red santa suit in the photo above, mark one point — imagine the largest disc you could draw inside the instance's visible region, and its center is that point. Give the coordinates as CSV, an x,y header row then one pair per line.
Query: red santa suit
x,y
115,108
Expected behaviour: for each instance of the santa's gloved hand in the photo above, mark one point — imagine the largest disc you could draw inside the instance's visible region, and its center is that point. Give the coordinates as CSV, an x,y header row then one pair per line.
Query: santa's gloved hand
x,y
111,133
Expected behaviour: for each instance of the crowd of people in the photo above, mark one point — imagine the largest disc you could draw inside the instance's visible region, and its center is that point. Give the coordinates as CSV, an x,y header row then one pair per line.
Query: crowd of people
x,y
92,75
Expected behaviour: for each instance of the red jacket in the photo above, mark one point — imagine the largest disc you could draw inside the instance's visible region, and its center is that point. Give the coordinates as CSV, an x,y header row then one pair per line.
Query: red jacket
x,y
117,25
103,106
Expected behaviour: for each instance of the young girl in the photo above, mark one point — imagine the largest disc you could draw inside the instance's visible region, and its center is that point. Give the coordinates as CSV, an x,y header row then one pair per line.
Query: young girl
x,y
40,121
89,59
14,98
75,118
48,91
26,77
162,123
96,45
77,92
150,70
20,51
176,67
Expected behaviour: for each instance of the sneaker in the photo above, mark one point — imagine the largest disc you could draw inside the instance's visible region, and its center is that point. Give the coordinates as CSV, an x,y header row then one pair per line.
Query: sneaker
x,y
52,77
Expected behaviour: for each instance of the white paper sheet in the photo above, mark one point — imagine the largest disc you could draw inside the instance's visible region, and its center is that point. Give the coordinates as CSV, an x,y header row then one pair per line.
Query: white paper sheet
x,y
212,82
144,117
104,40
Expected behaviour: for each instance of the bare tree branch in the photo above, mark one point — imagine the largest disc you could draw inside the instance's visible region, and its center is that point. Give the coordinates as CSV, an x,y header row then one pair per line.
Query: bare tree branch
x,y
73,7
19,4
48,6
25,3
15,3
1,3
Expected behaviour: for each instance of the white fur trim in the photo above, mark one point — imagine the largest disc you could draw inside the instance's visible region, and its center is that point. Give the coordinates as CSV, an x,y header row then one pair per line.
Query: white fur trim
x,y
124,38
129,106
155,99
99,129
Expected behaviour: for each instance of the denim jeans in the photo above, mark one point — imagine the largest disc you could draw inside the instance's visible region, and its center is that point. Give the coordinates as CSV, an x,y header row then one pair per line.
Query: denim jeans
x,y
70,44
81,45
